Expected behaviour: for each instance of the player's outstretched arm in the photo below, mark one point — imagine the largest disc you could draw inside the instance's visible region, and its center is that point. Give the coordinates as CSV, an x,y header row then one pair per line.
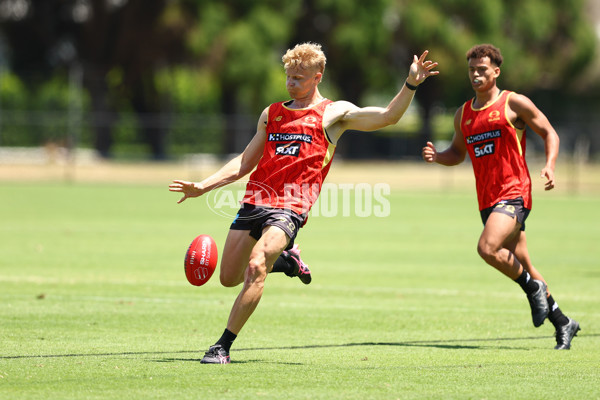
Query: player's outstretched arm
x,y
345,116
230,172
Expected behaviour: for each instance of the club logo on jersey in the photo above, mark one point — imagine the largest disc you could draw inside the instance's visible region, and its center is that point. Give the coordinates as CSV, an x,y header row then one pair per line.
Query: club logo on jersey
x,y
310,121
481,137
484,149
288,149
494,116
290,137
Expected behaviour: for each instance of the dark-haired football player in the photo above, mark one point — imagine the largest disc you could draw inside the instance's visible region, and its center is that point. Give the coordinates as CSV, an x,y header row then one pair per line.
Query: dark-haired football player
x,y
491,128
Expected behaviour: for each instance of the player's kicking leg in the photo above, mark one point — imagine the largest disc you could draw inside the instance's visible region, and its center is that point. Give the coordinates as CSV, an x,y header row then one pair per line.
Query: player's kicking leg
x,y
292,265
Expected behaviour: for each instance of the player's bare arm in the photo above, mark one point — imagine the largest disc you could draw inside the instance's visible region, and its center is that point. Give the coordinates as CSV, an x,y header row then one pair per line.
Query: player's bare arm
x,y
235,169
453,155
523,112
342,115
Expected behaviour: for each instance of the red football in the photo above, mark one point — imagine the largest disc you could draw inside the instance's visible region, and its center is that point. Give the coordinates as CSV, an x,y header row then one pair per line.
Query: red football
x,y
201,260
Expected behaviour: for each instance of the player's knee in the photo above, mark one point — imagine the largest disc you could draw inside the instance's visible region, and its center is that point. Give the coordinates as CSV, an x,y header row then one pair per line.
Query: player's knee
x,y
229,279
256,272
231,275
227,282
486,251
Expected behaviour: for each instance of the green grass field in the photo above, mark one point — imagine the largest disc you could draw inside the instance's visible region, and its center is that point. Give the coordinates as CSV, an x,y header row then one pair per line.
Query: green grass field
x,y
95,304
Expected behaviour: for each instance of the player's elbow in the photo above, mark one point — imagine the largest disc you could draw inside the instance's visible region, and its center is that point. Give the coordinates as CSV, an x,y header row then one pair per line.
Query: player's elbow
x,y
246,166
391,118
244,170
556,140
460,157
450,157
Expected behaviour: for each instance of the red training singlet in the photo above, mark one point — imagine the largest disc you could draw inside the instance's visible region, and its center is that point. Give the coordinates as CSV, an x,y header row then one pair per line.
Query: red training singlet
x,y
497,151
295,161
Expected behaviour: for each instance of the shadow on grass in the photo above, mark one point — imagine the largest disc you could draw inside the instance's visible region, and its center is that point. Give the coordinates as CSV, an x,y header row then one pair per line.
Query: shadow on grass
x,y
170,360
453,344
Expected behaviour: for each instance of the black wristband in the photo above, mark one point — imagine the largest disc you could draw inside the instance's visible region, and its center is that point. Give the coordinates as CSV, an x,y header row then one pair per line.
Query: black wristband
x,y
411,87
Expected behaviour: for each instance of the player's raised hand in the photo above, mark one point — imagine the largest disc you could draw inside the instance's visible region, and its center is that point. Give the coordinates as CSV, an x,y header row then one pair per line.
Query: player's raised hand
x,y
548,173
189,189
421,69
429,153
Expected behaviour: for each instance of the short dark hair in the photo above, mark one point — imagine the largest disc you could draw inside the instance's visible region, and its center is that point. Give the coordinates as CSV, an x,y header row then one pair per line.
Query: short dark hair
x,y
486,50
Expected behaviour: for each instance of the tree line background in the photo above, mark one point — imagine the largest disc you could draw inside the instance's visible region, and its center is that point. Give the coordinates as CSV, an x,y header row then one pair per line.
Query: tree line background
x,y
162,78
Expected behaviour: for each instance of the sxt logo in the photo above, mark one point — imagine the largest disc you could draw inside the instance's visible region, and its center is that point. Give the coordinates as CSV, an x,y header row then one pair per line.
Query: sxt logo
x,y
484,149
288,149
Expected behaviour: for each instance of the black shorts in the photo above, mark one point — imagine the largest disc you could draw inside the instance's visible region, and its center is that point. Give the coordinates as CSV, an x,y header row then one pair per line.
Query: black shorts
x,y
255,218
513,208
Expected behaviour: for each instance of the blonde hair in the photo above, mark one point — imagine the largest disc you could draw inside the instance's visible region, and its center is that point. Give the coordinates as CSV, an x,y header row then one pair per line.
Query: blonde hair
x,y
306,56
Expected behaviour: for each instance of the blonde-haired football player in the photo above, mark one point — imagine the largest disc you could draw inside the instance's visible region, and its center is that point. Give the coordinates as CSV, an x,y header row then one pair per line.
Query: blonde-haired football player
x,y
292,152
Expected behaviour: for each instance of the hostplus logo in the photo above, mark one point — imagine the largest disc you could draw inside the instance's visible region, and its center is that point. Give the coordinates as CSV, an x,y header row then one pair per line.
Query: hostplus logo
x,y
481,137
290,137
